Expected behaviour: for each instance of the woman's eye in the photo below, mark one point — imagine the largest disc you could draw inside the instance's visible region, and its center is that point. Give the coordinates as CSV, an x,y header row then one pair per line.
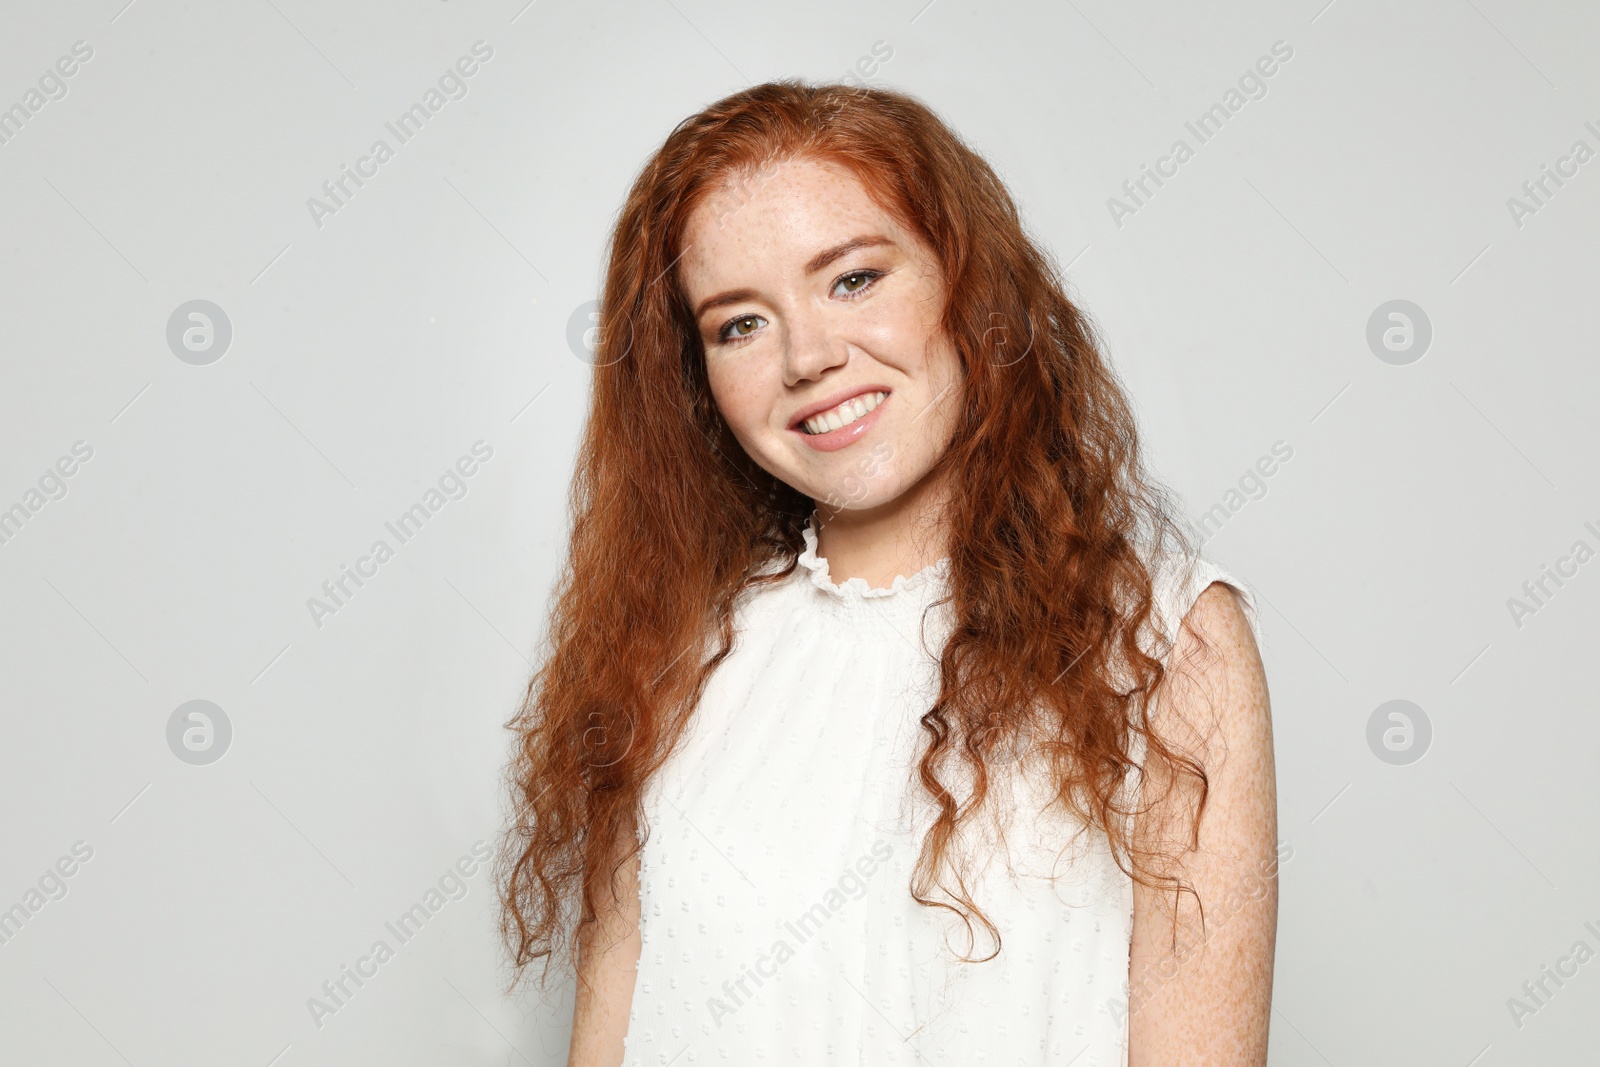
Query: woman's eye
x,y
855,281
743,326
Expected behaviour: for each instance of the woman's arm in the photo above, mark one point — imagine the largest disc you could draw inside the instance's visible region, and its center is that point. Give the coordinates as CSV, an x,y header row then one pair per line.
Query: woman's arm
x,y
608,962
1207,1000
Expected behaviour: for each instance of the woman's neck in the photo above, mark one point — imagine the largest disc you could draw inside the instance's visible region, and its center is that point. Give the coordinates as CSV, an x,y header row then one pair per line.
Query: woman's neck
x,y
878,544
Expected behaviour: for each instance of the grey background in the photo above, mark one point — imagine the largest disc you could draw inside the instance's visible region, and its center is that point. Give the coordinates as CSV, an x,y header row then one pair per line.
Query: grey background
x,y
432,311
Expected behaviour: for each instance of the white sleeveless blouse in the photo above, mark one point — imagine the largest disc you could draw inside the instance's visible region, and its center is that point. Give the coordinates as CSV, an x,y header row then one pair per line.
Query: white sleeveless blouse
x,y
777,923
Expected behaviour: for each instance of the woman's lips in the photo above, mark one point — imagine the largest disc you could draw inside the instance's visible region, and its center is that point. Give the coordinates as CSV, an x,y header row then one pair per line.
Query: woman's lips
x,y
833,440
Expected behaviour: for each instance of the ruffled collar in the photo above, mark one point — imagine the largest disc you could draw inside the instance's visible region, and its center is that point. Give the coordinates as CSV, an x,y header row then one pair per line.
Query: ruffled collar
x,y
919,586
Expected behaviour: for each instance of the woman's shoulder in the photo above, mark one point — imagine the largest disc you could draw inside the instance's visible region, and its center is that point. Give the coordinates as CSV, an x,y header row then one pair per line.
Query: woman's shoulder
x,y
1178,579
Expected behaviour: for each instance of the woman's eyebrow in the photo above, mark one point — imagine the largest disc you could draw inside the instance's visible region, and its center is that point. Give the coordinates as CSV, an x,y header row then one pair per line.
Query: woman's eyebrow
x,y
828,255
732,296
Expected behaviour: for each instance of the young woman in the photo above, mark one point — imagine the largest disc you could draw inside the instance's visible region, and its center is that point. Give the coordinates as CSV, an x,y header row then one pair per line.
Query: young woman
x,y
887,716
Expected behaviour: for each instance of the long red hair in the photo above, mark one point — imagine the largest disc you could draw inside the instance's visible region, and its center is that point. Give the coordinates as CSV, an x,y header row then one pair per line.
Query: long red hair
x,y
1048,520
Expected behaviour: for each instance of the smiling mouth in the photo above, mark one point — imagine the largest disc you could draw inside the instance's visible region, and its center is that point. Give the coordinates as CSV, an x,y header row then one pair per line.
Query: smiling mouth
x,y
842,415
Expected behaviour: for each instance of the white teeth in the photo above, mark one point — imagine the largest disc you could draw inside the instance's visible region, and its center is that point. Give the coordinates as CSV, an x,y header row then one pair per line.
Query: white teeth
x,y
843,415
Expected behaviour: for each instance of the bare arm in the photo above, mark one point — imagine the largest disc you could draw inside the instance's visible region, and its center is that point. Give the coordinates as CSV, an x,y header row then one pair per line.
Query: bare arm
x,y
608,959
1206,1001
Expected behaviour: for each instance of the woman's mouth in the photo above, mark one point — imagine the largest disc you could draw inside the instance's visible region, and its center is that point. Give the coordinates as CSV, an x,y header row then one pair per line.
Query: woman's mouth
x,y
844,423
842,415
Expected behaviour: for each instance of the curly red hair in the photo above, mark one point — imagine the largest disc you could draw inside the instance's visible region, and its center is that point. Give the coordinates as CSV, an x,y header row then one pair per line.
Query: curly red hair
x,y
1050,518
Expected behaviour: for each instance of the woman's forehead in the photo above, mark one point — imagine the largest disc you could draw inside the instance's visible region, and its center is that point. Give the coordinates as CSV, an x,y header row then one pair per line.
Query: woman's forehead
x,y
793,211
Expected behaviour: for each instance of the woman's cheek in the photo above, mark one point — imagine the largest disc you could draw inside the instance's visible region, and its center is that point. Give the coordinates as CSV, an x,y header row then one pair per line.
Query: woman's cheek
x,y
726,393
750,414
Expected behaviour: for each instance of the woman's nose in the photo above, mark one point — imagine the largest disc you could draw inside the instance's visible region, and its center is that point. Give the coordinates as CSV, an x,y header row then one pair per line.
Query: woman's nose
x,y
811,349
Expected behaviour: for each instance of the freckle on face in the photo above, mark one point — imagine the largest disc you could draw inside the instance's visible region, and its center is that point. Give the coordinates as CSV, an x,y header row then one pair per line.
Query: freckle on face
x,y
867,322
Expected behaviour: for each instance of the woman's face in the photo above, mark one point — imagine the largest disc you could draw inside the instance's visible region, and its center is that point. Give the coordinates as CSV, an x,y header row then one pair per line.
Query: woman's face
x,y
820,319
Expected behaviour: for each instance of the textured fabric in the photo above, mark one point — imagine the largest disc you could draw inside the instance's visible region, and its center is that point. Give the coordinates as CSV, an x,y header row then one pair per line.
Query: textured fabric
x,y
777,924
